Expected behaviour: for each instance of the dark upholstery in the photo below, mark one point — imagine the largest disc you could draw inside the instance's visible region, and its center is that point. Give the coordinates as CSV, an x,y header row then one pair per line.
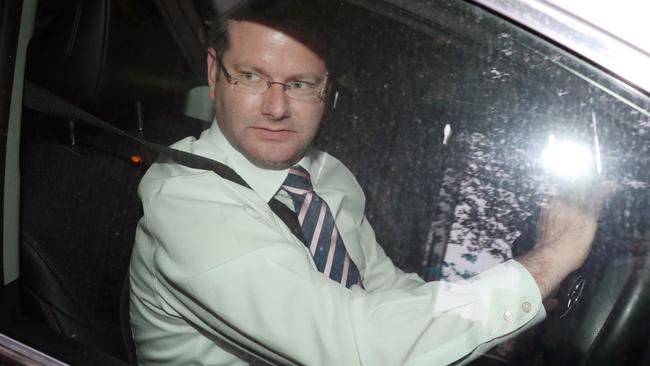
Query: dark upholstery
x,y
79,205
79,212
125,325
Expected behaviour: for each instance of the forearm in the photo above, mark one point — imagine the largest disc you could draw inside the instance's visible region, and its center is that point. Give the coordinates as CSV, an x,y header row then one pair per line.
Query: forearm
x,y
545,271
565,232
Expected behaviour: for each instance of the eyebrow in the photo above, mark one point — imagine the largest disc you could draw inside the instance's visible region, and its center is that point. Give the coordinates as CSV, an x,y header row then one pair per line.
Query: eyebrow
x,y
257,70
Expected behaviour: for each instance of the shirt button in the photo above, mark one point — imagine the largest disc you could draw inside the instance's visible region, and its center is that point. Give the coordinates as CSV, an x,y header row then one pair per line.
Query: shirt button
x,y
507,316
526,307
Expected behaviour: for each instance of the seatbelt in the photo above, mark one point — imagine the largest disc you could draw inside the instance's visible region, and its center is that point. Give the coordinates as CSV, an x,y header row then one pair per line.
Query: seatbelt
x,y
41,100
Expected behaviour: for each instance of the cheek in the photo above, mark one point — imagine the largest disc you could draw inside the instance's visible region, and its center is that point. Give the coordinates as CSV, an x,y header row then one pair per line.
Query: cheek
x,y
230,107
311,116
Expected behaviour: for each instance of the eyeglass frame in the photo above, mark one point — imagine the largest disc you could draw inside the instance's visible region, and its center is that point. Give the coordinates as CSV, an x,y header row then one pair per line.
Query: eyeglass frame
x,y
322,91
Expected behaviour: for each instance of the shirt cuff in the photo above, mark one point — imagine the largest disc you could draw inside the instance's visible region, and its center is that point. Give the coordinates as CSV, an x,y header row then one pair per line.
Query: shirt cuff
x,y
515,302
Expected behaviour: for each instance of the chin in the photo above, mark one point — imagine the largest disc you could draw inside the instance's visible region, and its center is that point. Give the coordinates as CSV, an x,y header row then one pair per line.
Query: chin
x,y
277,160
274,162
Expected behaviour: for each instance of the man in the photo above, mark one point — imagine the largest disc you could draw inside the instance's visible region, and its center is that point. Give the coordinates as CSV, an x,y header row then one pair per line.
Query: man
x,y
217,278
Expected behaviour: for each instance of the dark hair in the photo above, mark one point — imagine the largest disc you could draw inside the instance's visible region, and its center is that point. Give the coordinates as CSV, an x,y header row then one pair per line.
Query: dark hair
x,y
301,19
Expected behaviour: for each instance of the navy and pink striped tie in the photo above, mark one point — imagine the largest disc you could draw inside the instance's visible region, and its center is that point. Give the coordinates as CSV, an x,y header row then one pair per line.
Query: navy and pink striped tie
x,y
319,229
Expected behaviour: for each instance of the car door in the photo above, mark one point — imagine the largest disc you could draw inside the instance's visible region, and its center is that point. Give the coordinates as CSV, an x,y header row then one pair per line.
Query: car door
x,y
444,113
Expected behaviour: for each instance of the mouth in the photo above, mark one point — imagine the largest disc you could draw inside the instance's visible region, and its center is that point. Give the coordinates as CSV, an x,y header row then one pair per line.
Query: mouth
x,y
275,134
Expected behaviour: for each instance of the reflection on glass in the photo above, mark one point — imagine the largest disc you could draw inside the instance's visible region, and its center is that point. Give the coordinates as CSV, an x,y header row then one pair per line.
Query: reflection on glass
x,y
447,134
567,159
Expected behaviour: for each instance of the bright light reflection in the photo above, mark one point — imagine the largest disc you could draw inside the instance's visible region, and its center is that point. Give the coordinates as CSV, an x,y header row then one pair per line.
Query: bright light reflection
x,y
566,158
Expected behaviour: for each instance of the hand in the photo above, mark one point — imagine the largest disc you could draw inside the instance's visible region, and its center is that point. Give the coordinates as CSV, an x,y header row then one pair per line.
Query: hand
x,y
565,232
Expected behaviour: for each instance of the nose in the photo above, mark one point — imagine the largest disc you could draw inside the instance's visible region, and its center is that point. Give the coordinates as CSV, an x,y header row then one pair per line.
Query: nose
x,y
276,103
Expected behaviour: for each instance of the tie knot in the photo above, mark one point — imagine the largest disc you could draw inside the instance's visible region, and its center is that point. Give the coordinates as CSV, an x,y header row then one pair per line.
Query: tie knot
x,y
298,181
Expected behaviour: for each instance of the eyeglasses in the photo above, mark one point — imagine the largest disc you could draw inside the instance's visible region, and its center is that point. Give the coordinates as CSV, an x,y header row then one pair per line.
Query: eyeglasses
x,y
252,83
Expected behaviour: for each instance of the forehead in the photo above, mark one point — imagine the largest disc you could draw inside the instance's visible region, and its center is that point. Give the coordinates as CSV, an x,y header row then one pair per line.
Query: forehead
x,y
261,45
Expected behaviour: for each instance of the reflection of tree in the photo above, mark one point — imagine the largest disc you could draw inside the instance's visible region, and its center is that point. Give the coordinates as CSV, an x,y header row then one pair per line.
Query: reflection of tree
x,y
487,193
492,185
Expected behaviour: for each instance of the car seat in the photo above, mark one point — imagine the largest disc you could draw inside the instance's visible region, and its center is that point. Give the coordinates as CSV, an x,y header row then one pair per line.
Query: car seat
x,y
79,205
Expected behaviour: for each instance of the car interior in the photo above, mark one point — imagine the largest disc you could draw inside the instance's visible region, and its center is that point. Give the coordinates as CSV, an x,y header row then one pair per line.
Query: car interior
x,y
437,118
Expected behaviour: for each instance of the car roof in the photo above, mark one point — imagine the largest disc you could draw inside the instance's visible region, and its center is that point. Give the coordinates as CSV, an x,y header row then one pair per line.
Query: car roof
x,y
625,19
612,35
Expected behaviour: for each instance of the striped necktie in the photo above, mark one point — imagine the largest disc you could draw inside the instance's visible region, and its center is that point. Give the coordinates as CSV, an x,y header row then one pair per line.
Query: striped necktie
x,y
319,229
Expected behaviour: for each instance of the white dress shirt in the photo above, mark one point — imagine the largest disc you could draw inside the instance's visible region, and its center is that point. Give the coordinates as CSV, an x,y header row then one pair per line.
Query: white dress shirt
x,y
216,276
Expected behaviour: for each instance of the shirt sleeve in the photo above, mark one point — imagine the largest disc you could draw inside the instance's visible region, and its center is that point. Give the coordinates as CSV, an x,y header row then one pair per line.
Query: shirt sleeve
x,y
256,287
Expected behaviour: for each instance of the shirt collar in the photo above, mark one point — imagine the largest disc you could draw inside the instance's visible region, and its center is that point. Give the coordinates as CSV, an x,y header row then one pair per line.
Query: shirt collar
x,y
266,182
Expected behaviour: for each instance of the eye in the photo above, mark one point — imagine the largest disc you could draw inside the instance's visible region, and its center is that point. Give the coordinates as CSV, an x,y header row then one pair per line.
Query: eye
x,y
301,84
249,77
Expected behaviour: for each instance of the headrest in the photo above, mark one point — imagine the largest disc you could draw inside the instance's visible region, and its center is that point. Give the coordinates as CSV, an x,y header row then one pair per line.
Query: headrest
x,y
224,7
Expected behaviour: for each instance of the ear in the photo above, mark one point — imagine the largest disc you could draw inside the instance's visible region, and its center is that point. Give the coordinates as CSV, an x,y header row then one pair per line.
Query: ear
x,y
213,70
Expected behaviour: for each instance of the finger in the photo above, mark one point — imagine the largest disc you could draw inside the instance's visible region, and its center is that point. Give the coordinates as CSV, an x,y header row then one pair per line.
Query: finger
x,y
589,196
602,191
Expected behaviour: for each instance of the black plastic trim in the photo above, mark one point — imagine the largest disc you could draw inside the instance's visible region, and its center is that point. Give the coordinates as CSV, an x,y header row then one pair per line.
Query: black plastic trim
x,y
10,12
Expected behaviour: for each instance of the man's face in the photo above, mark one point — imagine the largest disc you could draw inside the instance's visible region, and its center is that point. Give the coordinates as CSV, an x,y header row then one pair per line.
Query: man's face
x,y
270,129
